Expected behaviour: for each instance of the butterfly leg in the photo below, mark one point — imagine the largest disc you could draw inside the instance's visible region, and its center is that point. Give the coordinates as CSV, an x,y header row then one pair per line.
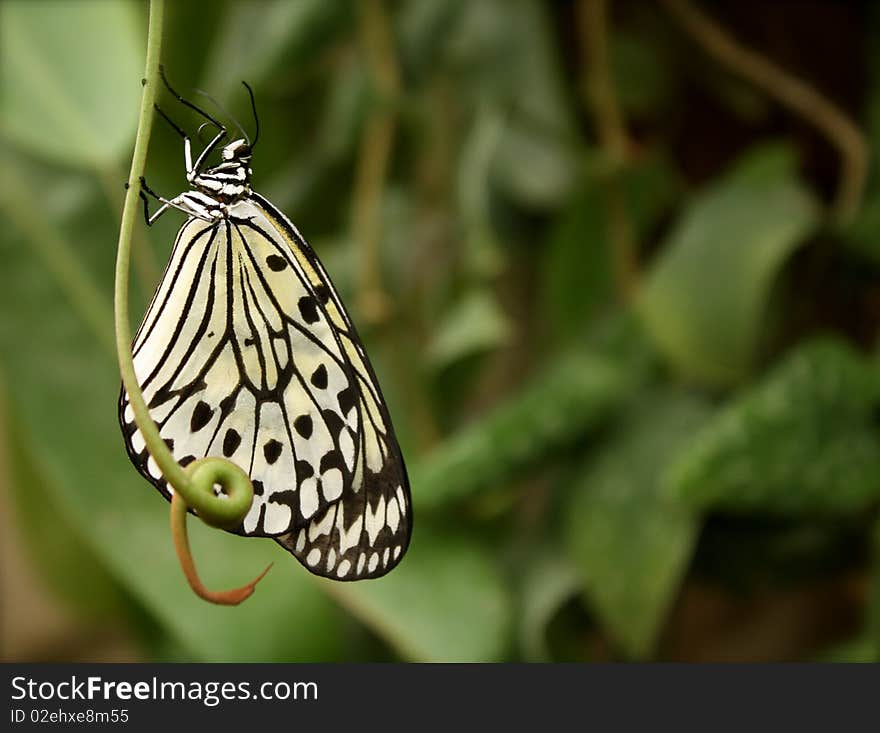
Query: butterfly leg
x,y
143,198
147,218
151,219
166,204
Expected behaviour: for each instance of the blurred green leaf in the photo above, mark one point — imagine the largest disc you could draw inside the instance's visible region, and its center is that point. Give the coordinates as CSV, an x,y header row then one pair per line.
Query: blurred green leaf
x,y
59,96
256,37
445,602
576,275
628,540
537,159
504,53
576,278
576,394
344,110
473,325
858,650
70,565
424,28
483,256
548,581
703,300
802,441
537,166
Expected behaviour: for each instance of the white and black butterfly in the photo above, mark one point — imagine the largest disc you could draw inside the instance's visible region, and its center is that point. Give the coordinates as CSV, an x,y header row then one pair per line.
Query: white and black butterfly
x,y
246,352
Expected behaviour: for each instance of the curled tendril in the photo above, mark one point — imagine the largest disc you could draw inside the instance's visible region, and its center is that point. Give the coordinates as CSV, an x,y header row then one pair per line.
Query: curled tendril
x,y
218,490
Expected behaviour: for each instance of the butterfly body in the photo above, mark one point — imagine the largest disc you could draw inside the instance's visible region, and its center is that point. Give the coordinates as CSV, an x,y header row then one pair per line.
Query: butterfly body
x,y
230,180
246,352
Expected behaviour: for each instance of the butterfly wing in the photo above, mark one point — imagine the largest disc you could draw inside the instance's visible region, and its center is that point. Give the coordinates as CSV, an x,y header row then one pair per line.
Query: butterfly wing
x,y
246,352
367,531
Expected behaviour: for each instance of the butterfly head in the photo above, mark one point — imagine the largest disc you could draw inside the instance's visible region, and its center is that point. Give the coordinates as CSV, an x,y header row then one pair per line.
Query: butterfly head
x,y
238,150
230,180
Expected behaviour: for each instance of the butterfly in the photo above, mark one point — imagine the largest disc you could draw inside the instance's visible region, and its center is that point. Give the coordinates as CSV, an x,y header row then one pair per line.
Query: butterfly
x,y
247,352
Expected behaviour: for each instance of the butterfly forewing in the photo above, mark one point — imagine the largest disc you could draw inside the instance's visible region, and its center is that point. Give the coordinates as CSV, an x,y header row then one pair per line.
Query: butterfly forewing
x,y
247,352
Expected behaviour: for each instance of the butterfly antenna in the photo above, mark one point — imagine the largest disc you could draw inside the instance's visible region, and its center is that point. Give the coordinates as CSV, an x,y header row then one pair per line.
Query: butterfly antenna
x,y
225,112
254,110
186,101
202,127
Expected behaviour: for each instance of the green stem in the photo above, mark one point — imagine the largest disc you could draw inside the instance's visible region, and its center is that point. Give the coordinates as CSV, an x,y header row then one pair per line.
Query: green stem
x,y
791,91
377,145
196,483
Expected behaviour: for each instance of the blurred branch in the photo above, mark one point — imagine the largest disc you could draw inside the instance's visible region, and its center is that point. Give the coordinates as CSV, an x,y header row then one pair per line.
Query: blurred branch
x,y
599,90
593,18
794,93
375,152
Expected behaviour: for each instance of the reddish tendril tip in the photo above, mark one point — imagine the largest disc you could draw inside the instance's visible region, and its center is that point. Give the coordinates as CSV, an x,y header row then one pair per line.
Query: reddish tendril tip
x,y
181,544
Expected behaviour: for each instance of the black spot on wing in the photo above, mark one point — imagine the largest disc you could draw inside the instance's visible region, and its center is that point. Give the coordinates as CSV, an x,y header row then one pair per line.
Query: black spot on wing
x,y
319,377
304,470
272,451
276,263
258,487
323,293
304,426
308,309
201,416
231,441
346,400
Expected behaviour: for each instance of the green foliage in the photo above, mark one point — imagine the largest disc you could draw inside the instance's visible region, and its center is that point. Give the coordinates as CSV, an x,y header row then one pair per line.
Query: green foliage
x,y
704,297
630,541
802,441
473,325
575,396
447,604
65,557
577,280
59,102
548,582
287,32
583,466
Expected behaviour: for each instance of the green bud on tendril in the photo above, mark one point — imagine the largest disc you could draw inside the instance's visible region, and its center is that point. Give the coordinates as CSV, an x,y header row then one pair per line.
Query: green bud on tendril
x,y
219,491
